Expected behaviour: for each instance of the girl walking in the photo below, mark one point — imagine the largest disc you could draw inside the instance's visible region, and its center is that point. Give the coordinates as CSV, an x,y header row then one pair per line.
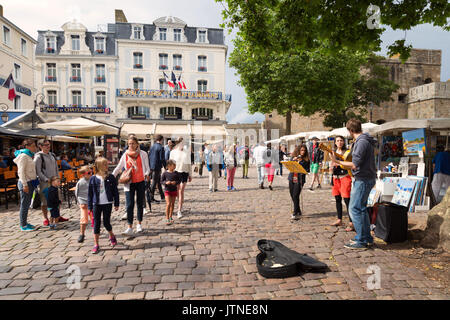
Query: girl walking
x,y
170,179
81,194
102,193
297,180
231,164
342,184
180,154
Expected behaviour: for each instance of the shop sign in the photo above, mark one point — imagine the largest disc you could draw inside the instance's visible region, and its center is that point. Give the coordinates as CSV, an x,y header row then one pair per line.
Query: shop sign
x,y
165,94
75,109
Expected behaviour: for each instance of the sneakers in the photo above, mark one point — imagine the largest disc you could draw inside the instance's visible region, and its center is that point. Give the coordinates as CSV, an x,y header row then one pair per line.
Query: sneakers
x,y
62,219
81,238
369,244
128,232
319,187
293,217
125,216
179,215
139,228
233,189
215,190
95,249
28,227
211,190
270,187
228,188
52,227
354,245
46,223
113,241
168,222
145,211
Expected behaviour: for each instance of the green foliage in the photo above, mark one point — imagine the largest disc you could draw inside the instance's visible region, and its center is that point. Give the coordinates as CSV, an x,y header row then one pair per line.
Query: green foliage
x,y
279,25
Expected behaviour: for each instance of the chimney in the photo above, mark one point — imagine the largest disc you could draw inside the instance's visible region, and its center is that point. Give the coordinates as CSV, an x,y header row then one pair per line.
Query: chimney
x,y
120,16
1,10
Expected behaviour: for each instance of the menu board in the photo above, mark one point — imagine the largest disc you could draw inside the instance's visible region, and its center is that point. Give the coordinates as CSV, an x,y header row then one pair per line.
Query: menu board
x,y
112,149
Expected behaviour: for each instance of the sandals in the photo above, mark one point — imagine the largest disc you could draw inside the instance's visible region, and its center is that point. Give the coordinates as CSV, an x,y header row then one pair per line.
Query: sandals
x,y
350,228
336,224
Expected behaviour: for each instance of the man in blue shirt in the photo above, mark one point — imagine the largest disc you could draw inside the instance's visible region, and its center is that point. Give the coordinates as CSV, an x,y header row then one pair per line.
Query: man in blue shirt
x,y
441,174
157,161
64,163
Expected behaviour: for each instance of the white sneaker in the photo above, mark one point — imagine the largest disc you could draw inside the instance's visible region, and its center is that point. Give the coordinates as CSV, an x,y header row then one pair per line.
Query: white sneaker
x,y
124,217
128,232
179,215
145,211
139,228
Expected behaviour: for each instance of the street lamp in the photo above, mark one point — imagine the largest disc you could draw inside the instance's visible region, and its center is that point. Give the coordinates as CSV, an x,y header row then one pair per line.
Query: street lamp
x,y
4,108
41,104
371,109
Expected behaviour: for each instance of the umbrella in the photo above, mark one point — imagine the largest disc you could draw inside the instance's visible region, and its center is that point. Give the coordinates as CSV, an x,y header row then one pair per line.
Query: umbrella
x,y
44,132
83,127
7,132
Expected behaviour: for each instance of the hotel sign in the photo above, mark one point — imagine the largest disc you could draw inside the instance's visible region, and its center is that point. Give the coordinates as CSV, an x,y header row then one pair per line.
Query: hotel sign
x,y
76,109
165,94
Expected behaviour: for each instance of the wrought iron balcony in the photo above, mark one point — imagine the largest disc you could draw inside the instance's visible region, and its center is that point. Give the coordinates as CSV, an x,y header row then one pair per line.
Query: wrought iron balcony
x,y
50,79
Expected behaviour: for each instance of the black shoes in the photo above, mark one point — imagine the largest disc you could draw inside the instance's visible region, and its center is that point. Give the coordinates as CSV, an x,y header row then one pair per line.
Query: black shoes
x,y
261,186
81,238
270,187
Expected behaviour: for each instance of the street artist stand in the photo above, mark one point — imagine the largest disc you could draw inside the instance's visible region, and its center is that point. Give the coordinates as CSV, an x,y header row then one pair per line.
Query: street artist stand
x,y
295,168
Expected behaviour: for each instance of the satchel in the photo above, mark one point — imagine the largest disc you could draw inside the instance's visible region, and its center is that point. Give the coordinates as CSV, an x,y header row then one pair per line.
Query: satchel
x,y
125,177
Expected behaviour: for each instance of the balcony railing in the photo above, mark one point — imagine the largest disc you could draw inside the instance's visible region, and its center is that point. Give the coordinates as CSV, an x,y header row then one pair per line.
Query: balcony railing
x,y
75,79
50,79
166,94
100,79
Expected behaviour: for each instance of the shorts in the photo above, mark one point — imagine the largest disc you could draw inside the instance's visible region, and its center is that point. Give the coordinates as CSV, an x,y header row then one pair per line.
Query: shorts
x,y
342,187
184,176
171,193
54,212
42,187
84,214
314,167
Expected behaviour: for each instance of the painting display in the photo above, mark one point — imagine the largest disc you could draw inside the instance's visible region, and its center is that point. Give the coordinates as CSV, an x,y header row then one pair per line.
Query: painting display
x,y
392,148
413,142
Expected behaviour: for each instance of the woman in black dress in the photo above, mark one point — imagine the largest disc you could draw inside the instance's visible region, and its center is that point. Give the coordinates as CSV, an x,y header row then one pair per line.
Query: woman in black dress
x,y
297,180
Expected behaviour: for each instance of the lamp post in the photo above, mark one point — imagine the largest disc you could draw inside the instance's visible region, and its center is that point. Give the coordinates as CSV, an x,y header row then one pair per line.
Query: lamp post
x,y
4,108
41,104
371,109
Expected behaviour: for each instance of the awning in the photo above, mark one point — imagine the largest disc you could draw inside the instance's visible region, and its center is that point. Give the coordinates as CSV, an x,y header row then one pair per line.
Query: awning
x,y
70,139
142,131
208,130
172,130
411,124
82,127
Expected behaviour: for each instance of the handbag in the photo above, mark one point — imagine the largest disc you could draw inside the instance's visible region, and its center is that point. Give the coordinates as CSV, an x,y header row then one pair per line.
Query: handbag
x,y
35,200
125,176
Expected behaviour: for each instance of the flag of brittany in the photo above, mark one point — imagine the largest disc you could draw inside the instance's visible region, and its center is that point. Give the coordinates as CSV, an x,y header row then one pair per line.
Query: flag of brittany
x,y
9,84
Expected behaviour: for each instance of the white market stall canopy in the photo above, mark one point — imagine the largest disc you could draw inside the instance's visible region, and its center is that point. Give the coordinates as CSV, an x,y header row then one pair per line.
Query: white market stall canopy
x,y
70,139
82,126
173,130
411,124
366,127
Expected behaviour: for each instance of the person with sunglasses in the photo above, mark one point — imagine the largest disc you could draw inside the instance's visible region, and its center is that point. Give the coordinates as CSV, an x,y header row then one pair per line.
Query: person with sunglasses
x,y
81,194
46,167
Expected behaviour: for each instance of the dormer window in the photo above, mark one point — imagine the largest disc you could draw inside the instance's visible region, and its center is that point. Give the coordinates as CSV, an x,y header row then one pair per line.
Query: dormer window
x,y
177,35
50,44
75,42
99,45
137,32
202,36
162,34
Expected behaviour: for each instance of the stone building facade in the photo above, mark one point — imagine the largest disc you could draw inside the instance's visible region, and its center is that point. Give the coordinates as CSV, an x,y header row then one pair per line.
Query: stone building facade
x,y
429,101
423,67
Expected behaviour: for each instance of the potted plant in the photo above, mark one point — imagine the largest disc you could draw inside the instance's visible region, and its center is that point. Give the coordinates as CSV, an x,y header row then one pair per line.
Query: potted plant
x,y
138,65
163,66
50,50
202,68
177,67
99,51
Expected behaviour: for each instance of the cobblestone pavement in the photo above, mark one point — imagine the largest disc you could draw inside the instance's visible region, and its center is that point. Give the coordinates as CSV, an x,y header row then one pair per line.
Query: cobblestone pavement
x,y
208,254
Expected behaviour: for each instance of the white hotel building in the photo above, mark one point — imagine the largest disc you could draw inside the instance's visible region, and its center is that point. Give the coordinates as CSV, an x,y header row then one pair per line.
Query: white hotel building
x,y
118,76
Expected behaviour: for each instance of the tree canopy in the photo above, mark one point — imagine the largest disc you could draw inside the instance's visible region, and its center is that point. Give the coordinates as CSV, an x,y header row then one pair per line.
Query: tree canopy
x,y
283,25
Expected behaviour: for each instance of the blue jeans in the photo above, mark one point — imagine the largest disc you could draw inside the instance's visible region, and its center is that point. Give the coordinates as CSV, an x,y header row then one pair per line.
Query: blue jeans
x,y
358,210
138,190
261,173
25,202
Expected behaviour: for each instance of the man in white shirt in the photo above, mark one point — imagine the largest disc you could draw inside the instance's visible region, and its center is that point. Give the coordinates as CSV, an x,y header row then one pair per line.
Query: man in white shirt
x,y
258,155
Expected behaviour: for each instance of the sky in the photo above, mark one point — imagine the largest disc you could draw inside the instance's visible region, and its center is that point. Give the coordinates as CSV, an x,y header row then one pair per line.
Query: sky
x,y
34,15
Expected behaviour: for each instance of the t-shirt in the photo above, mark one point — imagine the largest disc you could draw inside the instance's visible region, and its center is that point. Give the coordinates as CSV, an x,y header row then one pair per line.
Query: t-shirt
x,y
170,176
442,163
102,193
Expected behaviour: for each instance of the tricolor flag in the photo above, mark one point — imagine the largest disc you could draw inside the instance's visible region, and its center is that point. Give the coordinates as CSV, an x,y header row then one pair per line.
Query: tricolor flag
x,y
174,79
181,83
9,84
169,82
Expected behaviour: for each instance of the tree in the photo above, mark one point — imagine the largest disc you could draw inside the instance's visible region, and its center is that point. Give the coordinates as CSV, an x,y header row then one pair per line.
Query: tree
x,y
373,86
278,25
295,82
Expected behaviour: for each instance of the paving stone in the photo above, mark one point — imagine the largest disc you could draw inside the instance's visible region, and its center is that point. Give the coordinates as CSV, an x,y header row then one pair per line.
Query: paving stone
x,y
131,296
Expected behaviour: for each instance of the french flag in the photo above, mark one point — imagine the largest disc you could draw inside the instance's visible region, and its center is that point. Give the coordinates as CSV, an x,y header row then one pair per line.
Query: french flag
x,y
181,83
9,84
169,82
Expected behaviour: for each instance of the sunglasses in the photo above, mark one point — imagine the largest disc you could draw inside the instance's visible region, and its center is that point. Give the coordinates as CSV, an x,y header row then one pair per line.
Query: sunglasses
x,y
89,172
